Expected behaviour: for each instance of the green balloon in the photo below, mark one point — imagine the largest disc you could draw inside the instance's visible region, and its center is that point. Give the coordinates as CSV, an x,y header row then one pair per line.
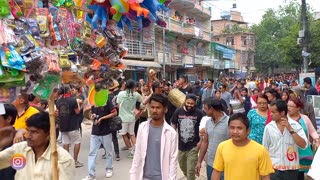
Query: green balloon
x,y
101,97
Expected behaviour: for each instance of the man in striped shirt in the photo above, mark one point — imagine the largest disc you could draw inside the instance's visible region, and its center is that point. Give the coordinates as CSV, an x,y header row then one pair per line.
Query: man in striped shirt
x,y
282,137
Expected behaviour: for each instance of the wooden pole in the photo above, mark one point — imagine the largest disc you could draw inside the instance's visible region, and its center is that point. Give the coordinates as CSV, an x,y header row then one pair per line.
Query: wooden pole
x,y
53,140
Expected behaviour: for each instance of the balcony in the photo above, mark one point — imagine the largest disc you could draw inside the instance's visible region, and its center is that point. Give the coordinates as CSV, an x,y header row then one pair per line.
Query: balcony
x,y
206,36
199,60
182,4
175,25
201,12
186,29
141,50
191,7
171,58
189,29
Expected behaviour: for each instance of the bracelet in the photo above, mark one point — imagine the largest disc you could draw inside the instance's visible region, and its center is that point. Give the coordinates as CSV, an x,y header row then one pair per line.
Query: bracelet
x,y
291,132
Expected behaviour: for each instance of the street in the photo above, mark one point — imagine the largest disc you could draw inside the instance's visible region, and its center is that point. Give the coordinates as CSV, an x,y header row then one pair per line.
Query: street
x,y
120,168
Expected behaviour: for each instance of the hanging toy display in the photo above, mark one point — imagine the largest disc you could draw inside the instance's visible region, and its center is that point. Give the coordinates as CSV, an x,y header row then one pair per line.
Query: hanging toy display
x,y
69,42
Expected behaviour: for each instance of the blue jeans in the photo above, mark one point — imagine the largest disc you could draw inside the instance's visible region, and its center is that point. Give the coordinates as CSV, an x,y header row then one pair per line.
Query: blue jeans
x,y
95,144
209,173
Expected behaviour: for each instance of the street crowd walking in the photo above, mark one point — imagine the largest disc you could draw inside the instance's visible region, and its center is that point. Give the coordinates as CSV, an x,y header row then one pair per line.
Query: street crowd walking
x,y
255,128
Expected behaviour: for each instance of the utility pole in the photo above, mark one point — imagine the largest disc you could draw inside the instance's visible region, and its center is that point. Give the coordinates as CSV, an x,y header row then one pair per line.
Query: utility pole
x,y
305,34
164,53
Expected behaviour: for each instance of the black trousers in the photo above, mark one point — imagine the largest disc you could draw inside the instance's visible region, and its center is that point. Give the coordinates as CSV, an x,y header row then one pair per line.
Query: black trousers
x,y
115,142
285,175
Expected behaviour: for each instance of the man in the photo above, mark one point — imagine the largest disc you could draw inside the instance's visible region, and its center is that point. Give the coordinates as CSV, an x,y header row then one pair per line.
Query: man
x,y
7,119
251,84
156,152
225,95
241,157
127,103
183,85
101,134
216,131
209,91
157,89
187,120
166,88
114,134
223,102
76,92
247,102
310,90
68,109
34,160
282,137
24,111
196,90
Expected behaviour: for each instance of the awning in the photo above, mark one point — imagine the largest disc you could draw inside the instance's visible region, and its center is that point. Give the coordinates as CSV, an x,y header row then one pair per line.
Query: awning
x,y
142,63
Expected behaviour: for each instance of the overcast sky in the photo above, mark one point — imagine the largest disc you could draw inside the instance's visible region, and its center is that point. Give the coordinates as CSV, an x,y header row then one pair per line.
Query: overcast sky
x,y
252,10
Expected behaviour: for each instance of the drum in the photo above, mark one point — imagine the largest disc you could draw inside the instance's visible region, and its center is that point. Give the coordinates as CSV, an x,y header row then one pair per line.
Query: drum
x,y
176,97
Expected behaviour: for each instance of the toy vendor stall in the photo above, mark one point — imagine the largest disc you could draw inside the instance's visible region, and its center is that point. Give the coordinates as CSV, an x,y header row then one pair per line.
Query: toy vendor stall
x,y
63,42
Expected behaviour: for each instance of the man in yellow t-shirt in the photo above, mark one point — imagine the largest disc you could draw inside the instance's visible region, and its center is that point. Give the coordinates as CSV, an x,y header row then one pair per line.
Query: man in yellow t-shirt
x,y
24,111
240,157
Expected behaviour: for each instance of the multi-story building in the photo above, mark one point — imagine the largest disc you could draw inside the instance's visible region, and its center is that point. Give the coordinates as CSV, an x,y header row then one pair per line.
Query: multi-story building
x,y
232,31
183,47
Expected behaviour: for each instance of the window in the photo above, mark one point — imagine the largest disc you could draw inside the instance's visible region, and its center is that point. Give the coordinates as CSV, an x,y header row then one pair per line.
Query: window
x,y
244,40
251,41
230,41
244,57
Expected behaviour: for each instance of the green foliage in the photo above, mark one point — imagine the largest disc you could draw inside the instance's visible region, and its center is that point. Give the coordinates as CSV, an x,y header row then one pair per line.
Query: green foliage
x,y
235,29
276,38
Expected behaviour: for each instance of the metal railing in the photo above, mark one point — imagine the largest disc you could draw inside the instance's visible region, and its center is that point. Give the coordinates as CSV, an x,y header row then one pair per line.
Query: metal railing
x,y
139,49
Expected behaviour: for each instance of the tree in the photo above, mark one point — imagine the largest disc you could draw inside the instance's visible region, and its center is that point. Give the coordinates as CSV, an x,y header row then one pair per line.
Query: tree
x,y
276,37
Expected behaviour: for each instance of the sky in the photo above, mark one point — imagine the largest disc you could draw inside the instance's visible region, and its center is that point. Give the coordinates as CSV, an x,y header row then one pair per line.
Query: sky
x,y
252,10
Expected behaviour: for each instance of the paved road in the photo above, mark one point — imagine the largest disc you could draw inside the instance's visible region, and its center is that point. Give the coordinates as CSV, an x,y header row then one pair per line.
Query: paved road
x,y
121,168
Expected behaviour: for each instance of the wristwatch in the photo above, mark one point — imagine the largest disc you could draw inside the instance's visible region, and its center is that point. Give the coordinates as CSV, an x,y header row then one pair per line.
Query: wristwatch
x,y
291,132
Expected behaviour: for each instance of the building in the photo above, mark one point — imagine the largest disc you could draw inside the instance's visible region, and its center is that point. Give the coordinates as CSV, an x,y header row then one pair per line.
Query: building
x,y
183,47
141,53
232,31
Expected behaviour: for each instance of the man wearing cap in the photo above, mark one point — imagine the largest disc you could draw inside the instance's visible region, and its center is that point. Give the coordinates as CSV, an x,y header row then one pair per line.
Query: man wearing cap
x,y
187,120
308,85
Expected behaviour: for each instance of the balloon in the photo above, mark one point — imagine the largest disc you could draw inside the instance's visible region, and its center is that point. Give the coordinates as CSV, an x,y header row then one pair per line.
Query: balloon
x,y
118,8
91,94
100,13
101,97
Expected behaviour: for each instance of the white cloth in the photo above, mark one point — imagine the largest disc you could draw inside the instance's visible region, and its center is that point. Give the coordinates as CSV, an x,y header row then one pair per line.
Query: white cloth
x,y
282,148
203,122
315,166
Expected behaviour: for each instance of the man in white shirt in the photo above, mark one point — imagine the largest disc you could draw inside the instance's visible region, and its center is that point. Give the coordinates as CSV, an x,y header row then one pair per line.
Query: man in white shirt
x,y
32,158
127,103
282,137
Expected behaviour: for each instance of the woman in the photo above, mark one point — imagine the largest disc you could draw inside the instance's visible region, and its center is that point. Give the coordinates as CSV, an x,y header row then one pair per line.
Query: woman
x,y
272,95
258,118
253,98
285,96
294,106
237,104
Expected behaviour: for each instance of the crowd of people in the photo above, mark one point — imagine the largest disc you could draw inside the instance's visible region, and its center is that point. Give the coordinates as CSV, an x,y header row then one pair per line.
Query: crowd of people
x,y
256,128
